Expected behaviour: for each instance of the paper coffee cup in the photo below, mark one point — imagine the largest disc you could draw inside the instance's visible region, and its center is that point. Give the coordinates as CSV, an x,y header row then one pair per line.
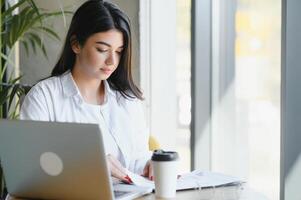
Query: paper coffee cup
x,y
165,165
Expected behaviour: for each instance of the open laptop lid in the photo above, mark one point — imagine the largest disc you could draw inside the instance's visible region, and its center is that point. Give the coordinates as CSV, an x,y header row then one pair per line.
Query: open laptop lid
x,y
54,160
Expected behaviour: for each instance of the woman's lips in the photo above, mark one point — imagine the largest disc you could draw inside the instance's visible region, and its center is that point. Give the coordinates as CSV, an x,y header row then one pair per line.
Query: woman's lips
x,y
106,71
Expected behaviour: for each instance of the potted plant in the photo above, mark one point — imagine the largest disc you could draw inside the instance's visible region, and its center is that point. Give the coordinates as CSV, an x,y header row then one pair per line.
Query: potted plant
x,y
26,28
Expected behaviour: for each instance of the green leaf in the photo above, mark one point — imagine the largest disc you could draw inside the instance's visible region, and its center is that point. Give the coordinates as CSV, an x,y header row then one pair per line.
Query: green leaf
x,y
7,61
4,94
33,45
3,72
35,8
49,31
10,10
25,47
44,50
39,42
12,95
15,80
56,13
25,16
14,114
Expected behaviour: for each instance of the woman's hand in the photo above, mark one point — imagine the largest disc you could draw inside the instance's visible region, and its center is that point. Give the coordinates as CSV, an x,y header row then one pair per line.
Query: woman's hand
x,y
117,170
148,171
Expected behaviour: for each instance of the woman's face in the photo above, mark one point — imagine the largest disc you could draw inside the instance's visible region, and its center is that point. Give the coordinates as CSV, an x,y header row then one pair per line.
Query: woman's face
x,y
100,55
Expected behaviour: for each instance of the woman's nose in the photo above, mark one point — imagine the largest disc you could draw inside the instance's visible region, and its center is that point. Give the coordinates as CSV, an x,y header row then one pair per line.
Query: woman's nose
x,y
111,60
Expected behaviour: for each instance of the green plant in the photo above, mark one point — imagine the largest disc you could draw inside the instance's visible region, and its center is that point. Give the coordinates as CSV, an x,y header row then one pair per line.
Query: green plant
x,y
26,27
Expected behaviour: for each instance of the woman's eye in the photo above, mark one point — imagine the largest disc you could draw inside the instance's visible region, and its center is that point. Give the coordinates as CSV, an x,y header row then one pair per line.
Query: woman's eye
x,y
102,50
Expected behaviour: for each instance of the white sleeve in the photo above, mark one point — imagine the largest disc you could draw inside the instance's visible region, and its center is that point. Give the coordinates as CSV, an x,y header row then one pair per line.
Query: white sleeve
x,y
142,153
141,162
34,106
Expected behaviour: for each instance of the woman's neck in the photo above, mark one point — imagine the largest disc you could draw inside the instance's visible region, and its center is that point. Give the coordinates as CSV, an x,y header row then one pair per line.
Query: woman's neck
x,y
92,90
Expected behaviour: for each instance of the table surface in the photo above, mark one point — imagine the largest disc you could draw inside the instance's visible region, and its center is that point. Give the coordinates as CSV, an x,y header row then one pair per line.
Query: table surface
x,y
220,193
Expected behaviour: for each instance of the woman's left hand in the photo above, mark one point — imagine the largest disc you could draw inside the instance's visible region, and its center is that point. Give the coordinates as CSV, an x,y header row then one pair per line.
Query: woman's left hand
x,y
148,171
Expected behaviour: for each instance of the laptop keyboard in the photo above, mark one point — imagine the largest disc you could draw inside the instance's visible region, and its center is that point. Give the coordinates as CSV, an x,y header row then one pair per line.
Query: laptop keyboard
x,y
120,193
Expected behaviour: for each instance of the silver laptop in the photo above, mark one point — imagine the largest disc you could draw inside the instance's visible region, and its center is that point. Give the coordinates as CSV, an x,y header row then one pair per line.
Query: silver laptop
x,y
51,160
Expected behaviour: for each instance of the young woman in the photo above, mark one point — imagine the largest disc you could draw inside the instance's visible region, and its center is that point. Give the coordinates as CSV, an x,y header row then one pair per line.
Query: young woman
x,y
92,83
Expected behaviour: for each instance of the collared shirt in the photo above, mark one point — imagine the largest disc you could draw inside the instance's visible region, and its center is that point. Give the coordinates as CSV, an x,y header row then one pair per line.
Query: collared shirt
x,y
121,120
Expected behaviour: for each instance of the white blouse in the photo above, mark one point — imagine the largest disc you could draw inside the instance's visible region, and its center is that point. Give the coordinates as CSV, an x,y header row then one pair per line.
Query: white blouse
x,y
121,120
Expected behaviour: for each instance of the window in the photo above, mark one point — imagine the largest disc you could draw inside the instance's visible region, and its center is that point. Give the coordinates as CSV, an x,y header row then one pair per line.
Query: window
x,y
246,40
183,83
236,90
165,73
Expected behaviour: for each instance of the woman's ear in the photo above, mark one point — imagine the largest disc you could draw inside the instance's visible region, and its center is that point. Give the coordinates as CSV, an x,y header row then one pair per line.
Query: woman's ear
x,y
75,44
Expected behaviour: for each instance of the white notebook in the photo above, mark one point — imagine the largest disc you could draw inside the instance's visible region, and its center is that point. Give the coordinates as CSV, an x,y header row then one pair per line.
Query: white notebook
x,y
192,180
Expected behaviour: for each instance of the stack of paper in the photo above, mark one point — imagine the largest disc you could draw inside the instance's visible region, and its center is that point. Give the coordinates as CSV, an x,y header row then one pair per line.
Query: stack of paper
x,y
199,179
194,179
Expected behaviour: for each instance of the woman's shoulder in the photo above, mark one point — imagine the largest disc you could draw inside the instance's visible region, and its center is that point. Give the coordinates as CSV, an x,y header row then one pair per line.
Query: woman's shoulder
x,y
48,85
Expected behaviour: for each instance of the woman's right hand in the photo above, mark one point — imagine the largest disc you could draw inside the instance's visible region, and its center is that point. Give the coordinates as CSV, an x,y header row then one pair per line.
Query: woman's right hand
x,y
117,170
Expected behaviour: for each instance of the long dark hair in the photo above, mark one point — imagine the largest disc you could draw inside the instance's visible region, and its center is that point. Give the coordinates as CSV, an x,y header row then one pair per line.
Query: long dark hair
x,y
96,16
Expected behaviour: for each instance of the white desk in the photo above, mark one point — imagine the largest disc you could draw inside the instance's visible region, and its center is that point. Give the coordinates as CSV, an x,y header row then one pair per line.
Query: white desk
x,y
221,193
